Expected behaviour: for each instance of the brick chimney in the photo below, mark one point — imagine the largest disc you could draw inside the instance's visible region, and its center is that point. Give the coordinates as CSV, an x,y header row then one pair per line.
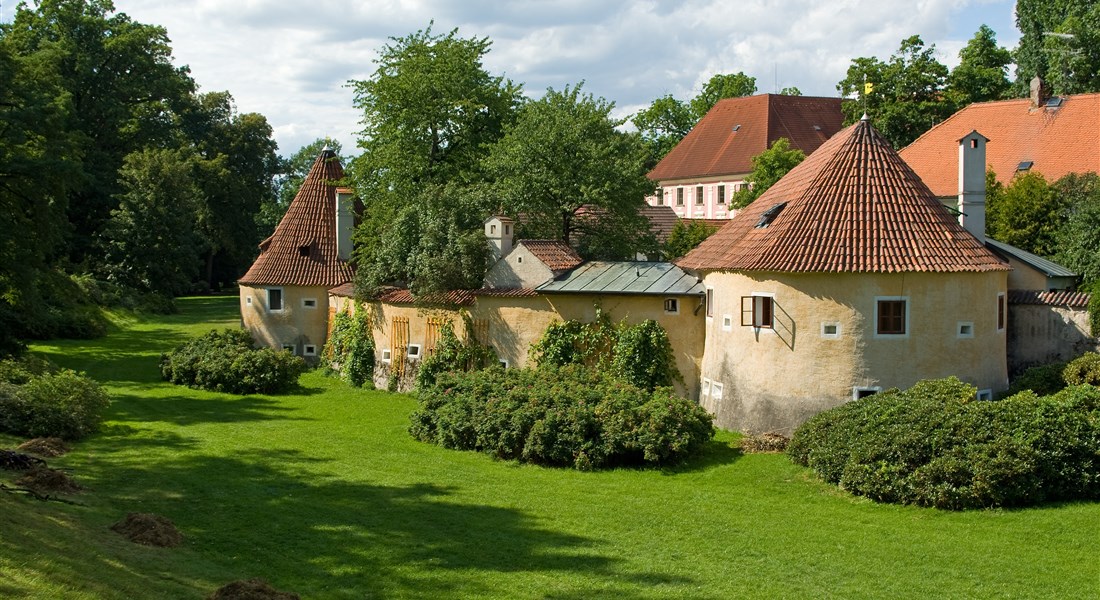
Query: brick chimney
x,y
972,184
345,221
1040,93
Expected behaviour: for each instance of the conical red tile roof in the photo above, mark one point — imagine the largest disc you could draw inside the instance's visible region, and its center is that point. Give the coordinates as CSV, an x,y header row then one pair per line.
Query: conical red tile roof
x,y
302,250
851,206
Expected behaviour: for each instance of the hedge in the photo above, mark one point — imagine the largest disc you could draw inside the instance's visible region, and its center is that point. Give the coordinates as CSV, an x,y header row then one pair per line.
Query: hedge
x,y
226,361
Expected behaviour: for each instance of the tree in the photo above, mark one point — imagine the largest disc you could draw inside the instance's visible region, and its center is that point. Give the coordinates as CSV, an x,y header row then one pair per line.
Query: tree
x,y
662,125
1059,42
790,91
118,76
982,72
149,242
685,236
430,112
720,87
293,172
1078,238
1026,214
563,152
768,167
906,95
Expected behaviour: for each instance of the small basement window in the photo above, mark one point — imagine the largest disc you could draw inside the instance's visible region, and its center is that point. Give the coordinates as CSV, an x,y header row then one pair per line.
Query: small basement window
x,y
309,303
862,392
984,395
672,306
503,364
965,329
830,331
413,351
289,348
248,300
705,392
385,355
309,350
716,391
727,322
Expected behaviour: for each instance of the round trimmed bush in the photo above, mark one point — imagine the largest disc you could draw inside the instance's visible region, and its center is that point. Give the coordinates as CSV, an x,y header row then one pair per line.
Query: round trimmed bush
x,y
226,361
65,404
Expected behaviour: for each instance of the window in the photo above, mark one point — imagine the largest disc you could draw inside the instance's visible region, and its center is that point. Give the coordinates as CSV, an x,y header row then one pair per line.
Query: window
x,y
984,395
722,194
248,300
727,323
891,316
710,302
503,364
386,355
414,351
275,299
672,306
965,329
1000,312
679,196
507,230
309,351
863,392
699,194
716,392
758,310
705,392
309,303
492,229
830,331
519,259
289,348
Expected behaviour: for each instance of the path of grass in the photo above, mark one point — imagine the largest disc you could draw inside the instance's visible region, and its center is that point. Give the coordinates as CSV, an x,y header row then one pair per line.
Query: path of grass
x,y
323,493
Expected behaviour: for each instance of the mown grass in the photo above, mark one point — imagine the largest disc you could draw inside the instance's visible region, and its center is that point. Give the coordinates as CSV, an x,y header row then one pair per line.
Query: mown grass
x,y
322,492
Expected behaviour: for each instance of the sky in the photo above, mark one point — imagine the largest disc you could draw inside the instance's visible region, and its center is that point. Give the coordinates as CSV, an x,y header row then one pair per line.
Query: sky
x,y
291,60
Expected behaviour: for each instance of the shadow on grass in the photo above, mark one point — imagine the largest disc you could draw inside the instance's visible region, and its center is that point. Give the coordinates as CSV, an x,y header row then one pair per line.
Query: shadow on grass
x,y
266,514
193,409
715,454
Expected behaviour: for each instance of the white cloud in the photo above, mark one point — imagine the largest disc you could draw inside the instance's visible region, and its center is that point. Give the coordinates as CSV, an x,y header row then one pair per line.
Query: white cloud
x,y
290,60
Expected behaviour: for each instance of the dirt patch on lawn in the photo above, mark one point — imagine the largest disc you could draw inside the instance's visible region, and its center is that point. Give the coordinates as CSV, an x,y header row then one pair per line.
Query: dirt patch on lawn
x,y
764,443
50,447
44,480
149,529
250,589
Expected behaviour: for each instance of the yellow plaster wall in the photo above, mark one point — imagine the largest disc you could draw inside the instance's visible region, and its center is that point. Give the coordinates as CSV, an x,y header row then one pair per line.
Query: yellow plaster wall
x,y
294,325
773,380
519,269
1023,277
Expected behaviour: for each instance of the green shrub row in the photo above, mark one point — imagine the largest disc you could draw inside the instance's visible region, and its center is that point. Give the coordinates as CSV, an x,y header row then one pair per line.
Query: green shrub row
x,y
1050,378
38,401
569,416
934,445
226,361
454,355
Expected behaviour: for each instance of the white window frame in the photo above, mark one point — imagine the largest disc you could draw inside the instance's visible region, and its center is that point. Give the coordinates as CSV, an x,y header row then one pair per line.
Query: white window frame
x,y
984,395
503,363
708,299
756,319
291,348
874,389
248,300
282,300
386,355
727,322
705,392
309,350
964,330
830,336
908,315
307,300
675,306
409,351
716,391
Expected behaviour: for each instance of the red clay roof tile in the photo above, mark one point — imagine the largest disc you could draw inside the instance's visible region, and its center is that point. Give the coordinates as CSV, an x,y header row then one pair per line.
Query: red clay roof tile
x,y
1058,141
1060,298
302,250
713,147
851,206
555,254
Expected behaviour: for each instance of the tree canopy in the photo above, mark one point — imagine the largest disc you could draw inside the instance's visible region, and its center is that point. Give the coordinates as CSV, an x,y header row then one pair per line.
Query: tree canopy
x,y
768,167
982,72
1059,42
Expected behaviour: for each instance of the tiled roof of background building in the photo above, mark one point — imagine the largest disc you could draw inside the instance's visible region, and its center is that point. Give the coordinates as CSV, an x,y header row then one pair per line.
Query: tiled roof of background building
x,y
737,129
302,250
555,254
1060,298
852,206
1056,140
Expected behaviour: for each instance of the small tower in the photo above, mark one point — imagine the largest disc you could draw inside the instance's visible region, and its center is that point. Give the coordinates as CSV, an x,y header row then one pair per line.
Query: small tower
x,y
972,184
498,230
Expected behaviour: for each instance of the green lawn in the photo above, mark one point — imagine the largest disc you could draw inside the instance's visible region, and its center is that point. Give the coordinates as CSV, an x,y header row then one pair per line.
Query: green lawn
x,y
324,494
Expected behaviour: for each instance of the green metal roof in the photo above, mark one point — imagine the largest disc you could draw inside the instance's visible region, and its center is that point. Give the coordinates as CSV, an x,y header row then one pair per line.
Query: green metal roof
x,y
627,277
1050,268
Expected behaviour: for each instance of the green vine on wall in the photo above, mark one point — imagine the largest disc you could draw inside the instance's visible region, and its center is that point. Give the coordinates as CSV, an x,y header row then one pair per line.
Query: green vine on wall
x,y
350,347
453,355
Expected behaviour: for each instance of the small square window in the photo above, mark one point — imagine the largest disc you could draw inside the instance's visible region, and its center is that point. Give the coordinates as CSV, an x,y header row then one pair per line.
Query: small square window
x,y
503,364
863,392
672,306
830,331
705,392
289,348
386,355
727,322
984,395
303,250
965,329
248,300
413,351
309,303
716,391
309,350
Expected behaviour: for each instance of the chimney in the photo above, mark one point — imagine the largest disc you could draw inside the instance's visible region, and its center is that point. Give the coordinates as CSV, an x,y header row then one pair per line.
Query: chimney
x,y
972,184
1040,93
499,231
345,221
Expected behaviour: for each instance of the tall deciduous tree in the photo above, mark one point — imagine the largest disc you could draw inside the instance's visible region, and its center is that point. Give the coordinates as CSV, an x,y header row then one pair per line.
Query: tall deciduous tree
x,y
768,167
663,124
1059,42
118,76
982,72
1078,237
430,111
1026,213
564,152
906,95
720,87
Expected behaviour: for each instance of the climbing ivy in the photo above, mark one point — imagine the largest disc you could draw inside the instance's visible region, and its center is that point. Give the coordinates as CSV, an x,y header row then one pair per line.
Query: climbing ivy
x,y
350,347
452,355
643,356
575,343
